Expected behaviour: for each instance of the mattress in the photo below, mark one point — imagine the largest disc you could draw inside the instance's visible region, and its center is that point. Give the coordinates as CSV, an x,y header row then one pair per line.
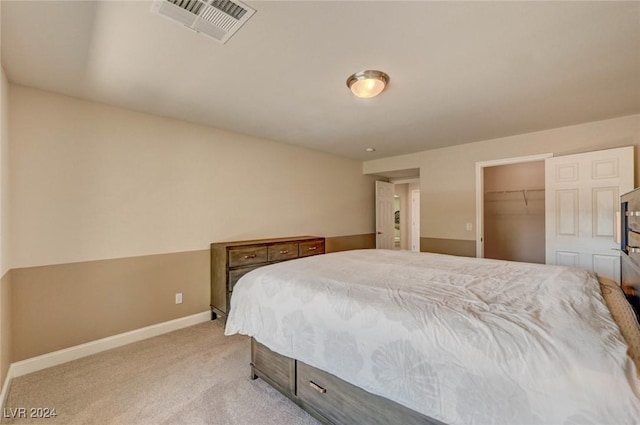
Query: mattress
x,y
461,340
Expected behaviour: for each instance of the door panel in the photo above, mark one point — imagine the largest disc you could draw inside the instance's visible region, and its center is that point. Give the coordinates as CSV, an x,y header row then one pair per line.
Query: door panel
x,y
569,259
582,198
384,215
567,212
605,200
606,265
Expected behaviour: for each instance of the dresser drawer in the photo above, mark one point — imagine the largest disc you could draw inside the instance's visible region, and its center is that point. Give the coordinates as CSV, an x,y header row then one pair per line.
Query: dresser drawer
x,y
311,248
344,404
285,251
232,260
236,274
246,256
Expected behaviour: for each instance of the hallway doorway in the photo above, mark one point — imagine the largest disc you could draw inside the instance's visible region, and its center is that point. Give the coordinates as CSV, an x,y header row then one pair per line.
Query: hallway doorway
x,y
398,211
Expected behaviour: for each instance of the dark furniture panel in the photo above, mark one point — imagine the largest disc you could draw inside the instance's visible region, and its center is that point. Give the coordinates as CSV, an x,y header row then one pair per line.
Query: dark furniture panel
x,y
311,247
343,403
236,274
232,260
245,256
283,251
631,281
279,371
328,398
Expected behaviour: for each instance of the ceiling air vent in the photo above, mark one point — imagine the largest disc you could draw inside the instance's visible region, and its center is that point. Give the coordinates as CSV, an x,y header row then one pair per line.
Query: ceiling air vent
x,y
219,19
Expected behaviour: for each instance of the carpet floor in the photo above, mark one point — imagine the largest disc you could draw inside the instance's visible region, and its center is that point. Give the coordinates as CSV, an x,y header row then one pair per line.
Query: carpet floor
x,y
191,376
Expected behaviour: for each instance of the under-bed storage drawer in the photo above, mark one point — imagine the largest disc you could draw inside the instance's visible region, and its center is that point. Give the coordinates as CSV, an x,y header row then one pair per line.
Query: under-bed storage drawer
x,y
345,404
277,370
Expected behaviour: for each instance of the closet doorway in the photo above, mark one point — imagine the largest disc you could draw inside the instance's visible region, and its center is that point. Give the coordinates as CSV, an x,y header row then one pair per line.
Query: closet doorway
x,y
581,198
511,220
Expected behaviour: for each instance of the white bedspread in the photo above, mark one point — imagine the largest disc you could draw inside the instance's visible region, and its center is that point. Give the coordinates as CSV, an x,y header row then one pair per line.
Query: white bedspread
x,y
462,340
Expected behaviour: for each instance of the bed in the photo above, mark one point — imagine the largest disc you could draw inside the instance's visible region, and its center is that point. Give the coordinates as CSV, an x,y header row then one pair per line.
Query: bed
x,y
381,336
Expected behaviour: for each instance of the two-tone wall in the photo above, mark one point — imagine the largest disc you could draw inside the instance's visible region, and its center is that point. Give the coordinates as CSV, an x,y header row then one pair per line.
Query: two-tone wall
x,y
447,175
112,213
5,274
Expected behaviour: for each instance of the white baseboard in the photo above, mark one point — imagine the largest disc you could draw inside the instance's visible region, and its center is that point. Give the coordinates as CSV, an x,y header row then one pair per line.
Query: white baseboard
x,y
72,353
5,386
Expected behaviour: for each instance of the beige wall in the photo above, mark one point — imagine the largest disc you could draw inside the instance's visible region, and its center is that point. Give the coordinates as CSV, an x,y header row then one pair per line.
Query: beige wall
x,y
94,182
4,175
447,176
345,243
6,328
63,305
113,211
103,200
5,275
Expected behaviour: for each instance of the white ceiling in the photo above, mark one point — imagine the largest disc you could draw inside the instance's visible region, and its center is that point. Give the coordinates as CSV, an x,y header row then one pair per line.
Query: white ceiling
x,y
460,71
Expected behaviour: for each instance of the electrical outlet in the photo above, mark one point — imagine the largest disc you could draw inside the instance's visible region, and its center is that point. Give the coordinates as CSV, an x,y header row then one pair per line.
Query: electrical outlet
x,y
179,298
469,227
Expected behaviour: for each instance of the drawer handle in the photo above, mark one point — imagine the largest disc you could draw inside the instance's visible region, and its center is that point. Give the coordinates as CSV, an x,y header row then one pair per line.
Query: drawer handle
x,y
246,257
313,248
284,251
317,387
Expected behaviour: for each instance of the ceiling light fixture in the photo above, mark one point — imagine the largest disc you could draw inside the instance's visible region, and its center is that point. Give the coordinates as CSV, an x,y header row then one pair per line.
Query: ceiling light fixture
x,y
367,83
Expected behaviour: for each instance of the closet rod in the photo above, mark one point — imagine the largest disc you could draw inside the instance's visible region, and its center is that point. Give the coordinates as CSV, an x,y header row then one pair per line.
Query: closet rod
x,y
523,191
513,191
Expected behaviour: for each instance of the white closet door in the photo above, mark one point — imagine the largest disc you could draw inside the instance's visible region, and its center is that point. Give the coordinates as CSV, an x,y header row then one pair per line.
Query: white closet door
x,y
582,197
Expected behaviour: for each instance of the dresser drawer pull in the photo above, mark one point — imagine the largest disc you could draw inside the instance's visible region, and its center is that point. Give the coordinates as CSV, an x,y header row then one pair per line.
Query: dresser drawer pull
x,y
313,248
246,257
317,387
284,251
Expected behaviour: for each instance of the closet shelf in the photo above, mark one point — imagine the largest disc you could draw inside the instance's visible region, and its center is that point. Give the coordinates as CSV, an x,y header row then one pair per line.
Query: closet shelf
x,y
523,191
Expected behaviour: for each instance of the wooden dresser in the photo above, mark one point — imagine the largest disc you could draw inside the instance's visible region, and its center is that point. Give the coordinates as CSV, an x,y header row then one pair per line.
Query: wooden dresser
x,y
232,260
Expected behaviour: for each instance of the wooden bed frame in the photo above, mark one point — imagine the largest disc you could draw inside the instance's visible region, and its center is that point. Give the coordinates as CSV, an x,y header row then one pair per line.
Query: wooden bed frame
x,y
326,397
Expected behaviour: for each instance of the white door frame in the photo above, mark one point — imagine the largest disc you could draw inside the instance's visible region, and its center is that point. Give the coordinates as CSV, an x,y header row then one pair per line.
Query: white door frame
x,y
384,215
415,220
480,191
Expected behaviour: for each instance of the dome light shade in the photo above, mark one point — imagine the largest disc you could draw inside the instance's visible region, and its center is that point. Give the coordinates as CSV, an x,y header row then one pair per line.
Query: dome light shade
x,y
368,83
